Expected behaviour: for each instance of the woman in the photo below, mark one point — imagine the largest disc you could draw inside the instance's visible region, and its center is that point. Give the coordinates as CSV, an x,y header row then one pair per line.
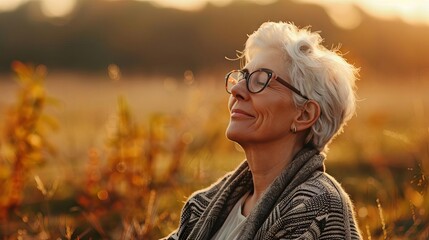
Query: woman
x,y
288,102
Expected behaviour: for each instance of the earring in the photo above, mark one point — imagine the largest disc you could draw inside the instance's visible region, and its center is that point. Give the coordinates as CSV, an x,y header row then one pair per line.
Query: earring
x,y
293,128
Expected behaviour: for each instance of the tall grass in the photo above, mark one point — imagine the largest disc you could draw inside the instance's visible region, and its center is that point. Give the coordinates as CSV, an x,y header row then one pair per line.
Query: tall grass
x,y
24,144
132,183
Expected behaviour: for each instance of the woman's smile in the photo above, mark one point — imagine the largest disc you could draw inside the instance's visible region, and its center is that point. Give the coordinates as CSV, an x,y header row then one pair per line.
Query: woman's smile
x,y
240,114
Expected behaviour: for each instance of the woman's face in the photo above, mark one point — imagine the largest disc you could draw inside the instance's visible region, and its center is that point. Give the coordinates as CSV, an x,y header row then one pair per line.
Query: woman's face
x,y
266,116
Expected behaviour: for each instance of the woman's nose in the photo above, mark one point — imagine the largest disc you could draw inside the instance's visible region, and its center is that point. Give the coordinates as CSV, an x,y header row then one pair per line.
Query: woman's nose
x,y
240,91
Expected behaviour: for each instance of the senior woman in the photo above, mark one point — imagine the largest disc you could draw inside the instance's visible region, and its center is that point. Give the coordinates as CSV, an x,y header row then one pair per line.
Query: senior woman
x,y
287,103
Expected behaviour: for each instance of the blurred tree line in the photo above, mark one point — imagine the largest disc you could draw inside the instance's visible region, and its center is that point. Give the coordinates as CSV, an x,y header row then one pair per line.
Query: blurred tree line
x,y
141,37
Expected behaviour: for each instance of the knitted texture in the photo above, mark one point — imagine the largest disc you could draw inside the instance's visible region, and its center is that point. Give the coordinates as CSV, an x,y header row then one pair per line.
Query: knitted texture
x,y
304,202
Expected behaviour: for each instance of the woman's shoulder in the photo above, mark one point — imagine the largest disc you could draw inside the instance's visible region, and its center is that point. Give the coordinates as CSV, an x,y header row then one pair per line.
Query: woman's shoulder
x,y
319,187
318,205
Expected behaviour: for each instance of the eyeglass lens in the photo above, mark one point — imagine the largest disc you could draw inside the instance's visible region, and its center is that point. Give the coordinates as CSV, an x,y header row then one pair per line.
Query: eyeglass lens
x,y
256,83
233,79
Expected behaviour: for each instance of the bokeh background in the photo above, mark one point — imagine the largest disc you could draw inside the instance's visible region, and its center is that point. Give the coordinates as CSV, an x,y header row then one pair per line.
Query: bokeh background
x,y
113,112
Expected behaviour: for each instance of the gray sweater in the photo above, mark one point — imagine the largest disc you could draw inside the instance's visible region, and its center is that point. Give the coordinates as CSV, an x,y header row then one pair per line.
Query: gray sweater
x,y
303,202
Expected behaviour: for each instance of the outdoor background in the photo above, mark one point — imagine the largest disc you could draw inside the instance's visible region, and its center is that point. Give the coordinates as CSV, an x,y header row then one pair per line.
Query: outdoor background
x,y
113,112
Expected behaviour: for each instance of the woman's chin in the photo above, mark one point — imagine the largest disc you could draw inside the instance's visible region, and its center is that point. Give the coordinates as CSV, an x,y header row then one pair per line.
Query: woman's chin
x,y
235,135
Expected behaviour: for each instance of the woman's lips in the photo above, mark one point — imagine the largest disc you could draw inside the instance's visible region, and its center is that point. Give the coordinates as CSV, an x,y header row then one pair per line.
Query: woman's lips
x,y
238,113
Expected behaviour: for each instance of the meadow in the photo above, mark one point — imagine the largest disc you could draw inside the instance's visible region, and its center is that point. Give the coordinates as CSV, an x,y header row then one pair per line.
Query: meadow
x,y
114,156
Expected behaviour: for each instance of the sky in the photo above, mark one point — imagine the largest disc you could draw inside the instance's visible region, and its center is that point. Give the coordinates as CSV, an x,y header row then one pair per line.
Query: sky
x,y
341,12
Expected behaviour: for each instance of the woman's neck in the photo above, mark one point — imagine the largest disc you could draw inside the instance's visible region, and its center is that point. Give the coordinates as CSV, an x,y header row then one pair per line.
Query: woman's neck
x,y
266,162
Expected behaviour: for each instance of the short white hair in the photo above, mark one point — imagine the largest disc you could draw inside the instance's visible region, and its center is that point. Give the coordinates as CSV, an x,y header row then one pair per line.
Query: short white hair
x,y
319,73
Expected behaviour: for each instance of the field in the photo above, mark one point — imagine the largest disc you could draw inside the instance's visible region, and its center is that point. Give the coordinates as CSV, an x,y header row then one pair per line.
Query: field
x,y
115,158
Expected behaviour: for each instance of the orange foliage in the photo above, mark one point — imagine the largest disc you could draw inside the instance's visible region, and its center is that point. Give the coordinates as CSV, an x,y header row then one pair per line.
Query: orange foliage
x,y
23,144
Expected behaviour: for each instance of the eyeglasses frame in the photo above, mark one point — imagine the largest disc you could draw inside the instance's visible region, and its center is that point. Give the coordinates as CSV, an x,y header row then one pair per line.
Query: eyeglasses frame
x,y
271,76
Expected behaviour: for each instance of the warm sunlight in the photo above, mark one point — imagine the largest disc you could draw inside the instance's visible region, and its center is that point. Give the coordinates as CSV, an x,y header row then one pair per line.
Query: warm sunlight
x,y
55,8
409,11
8,5
114,112
187,4
341,12
197,4
344,15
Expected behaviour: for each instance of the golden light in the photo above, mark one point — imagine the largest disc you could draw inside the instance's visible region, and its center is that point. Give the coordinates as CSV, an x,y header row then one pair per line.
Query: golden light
x,y
183,4
414,12
344,14
198,4
363,212
9,5
341,12
103,195
55,8
188,77
114,72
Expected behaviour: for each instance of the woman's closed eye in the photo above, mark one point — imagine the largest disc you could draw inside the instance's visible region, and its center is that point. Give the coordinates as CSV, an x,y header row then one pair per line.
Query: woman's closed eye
x,y
260,83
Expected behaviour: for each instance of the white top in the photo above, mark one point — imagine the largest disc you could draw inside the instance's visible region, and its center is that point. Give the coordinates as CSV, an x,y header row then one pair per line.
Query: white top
x,y
233,223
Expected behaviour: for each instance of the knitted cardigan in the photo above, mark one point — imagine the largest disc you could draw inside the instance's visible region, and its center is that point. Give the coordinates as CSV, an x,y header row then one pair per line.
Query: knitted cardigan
x,y
303,202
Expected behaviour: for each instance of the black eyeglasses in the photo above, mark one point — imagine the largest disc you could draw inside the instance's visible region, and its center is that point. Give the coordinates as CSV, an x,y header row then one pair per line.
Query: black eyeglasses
x,y
256,81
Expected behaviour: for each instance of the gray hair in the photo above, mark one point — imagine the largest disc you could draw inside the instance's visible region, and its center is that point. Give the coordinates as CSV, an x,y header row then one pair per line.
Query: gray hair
x,y
319,73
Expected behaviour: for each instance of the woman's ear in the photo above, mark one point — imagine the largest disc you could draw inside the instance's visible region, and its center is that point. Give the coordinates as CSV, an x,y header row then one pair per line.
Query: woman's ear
x,y
310,112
